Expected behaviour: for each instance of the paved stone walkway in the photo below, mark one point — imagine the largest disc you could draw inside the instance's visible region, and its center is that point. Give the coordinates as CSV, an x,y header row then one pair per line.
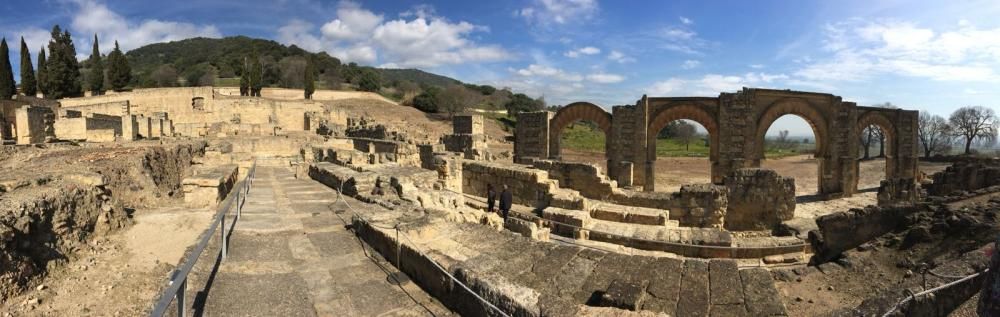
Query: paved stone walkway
x,y
290,255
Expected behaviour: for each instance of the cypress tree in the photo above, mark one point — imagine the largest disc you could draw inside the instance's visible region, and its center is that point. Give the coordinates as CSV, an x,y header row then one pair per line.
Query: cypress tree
x,y
256,75
96,71
63,68
119,72
28,85
245,79
7,85
310,80
42,72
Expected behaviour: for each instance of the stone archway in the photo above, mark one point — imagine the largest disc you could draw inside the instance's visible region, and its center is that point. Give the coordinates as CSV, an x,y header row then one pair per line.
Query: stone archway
x,y
577,111
812,116
681,112
879,119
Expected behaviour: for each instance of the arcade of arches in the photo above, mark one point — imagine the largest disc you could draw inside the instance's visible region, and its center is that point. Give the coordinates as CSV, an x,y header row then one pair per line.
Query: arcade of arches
x,y
736,124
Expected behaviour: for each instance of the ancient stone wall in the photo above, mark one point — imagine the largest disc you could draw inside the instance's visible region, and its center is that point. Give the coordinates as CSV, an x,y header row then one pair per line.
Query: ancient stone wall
x,y
208,186
467,124
529,186
736,124
967,175
898,191
842,231
34,124
584,178
759,199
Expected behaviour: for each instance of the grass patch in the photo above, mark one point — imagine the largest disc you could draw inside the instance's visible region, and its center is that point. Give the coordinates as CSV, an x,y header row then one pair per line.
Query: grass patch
x,y
227,82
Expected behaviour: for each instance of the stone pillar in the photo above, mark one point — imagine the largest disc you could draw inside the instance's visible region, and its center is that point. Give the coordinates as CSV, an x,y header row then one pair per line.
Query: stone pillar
x,y
34,124
130,128
625,174
531,138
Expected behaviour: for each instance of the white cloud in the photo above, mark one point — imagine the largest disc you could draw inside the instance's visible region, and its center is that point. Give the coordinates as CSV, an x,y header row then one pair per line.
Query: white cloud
x,y
681,39
559,11
605,78
587,50
352,23
686,21
756,66
859,50
620,57
689,64
93,17
360,35
35,38
535,70
713,84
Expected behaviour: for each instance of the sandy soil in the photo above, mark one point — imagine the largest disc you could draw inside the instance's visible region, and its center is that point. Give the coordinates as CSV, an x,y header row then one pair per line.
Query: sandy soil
x,y
116,275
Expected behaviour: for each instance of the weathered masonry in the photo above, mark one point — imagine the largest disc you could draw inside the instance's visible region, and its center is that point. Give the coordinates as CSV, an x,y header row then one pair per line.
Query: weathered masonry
x,y
736,124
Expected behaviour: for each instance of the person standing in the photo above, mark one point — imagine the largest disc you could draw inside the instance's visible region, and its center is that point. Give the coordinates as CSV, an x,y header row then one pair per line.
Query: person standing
x,y
491,198
506,198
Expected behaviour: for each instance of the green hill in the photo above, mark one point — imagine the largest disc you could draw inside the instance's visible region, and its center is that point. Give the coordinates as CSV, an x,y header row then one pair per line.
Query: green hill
x,y
223,58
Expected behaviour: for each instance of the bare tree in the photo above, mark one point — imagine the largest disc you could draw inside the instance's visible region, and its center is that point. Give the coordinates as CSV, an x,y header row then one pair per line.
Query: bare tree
x,y
782,139
293,69
879,134
454,99
686,133
869,135
974,122
409,89
164,76
934,132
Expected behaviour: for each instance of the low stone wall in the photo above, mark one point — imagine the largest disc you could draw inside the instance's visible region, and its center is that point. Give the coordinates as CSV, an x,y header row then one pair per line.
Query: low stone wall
x,y
388,151
842,231
528,186
699,205
759,199
966,176
209,186
34,124
349,181
898,191
584,178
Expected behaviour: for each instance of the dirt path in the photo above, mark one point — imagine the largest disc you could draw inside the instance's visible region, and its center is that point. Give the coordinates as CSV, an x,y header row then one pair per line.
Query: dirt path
x,y
117,275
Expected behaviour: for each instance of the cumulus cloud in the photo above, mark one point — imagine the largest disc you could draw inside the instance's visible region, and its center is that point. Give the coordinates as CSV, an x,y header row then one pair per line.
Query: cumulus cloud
x,y
620,57
360,35
558,11
681,39
685,20
587,50
861,49
536,70
94,17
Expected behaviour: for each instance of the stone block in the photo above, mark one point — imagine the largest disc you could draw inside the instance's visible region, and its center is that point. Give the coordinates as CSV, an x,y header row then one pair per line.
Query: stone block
x,y
759,199
625,294
694,281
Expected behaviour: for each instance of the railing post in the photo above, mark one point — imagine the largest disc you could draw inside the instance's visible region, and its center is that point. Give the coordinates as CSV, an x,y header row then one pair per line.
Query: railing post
x,y
181,307
223,236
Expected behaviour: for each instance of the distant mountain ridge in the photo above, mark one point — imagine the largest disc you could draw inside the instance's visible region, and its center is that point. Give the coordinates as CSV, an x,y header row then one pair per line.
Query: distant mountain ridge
x,y
226,55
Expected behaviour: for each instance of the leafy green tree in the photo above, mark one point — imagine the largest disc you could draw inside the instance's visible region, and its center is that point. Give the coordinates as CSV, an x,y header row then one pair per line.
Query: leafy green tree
x,y
427,101
96,71
7,85
522,103
369,81
245,79
119,71
256,75
310,78
28,85
63,70
42,76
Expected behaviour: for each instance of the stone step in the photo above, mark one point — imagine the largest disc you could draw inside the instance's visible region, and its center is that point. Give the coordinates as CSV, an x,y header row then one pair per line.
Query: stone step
x,y
631,214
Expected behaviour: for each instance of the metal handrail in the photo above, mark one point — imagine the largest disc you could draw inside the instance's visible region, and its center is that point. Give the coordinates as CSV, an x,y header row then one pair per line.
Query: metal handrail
x,y
177,285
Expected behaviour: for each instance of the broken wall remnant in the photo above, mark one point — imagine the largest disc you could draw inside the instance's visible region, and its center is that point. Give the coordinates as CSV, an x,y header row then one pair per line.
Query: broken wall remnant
x,y
532,136
528,186
966,175
208,186
759,199
34,124
898,191
842,231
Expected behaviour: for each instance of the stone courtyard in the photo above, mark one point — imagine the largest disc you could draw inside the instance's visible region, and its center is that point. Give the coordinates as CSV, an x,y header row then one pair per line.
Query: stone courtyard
x,y
333,212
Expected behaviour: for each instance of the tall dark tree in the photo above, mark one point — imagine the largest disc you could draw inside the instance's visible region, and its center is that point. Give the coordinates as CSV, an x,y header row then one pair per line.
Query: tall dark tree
x,y
256,74
96,71
28,85
62,67
310,78
369,80
245,79
119,72
7,85
43,73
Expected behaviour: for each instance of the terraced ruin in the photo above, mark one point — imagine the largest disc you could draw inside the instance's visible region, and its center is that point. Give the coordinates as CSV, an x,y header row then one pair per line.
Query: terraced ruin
x,y
194,201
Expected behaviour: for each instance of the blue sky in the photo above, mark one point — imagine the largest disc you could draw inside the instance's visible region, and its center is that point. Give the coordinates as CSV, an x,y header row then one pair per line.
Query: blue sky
x,y
927,55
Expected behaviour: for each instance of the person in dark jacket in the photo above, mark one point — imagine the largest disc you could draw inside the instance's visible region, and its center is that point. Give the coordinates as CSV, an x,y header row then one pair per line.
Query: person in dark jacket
x,y
506,198
491,198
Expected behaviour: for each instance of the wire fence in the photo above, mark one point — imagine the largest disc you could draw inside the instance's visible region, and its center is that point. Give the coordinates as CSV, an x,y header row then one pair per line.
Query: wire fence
x,y
929,292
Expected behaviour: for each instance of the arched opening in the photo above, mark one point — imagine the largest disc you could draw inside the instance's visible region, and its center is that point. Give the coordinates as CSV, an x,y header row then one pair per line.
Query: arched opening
x,y
875,156
579,133
583,141
789,147
682,147
683,150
